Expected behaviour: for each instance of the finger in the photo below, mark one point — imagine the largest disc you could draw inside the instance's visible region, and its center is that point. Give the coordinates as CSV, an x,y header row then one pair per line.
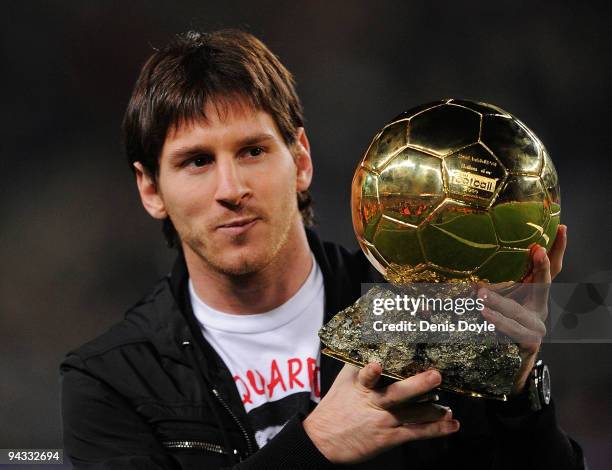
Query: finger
x,y
539,289
518,291
512,328
521,291
555,254
500,287
513,311
369,375
425,398
414,432
419,413
558,250
404,390
348,373
541,266
528,278
515,290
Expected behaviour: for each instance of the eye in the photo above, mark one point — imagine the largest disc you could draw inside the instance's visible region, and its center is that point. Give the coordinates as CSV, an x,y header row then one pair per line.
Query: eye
x,y
255,151
201,161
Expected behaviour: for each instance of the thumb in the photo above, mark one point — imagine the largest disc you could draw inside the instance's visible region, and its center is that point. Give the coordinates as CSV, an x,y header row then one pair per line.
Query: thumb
x,y
368,376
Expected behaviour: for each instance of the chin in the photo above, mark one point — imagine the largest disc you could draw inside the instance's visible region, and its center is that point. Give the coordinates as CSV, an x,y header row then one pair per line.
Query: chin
x,y
248,262
249,256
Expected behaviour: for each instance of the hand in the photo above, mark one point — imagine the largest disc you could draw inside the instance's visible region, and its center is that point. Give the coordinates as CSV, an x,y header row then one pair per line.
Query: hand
x,y
355,421
524,323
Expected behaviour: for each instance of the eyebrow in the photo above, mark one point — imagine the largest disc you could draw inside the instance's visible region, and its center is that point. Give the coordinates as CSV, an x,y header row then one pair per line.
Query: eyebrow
x,y
188,151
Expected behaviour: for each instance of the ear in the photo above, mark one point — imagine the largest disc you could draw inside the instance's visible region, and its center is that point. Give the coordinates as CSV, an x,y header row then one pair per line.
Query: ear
x,y
149,194
303,161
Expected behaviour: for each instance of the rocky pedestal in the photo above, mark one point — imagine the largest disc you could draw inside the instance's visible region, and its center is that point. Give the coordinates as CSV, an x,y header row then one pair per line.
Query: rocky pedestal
x,y
482,364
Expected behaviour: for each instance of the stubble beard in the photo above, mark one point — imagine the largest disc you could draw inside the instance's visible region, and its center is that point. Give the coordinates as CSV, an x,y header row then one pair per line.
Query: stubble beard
x,y
244,264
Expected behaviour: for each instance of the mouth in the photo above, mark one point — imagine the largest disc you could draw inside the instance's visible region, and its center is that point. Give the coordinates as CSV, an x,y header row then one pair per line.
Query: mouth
x,y
238,226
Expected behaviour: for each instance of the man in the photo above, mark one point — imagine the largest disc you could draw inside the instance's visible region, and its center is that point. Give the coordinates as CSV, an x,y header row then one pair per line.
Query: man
x,y
220,365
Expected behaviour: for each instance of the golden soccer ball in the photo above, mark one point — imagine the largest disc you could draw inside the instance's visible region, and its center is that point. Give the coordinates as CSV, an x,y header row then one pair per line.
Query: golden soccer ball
x,y
455,189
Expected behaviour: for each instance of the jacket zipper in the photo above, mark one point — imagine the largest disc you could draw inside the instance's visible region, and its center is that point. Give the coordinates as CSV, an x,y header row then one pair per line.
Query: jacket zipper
x,y
228,409
231,413
201,445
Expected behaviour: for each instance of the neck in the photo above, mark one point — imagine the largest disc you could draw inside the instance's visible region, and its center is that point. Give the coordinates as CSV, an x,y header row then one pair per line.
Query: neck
x,y
259,291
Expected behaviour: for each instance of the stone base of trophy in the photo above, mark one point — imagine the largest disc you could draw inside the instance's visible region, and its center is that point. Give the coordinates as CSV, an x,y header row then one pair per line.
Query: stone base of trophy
x,y
479,364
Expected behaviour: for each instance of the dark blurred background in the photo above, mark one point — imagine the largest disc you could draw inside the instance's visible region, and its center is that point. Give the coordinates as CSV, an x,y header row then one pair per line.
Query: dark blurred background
x,y
78,249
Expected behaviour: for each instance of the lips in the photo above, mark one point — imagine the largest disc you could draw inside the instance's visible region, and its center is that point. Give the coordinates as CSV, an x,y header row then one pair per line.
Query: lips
x,y
238,226
238,222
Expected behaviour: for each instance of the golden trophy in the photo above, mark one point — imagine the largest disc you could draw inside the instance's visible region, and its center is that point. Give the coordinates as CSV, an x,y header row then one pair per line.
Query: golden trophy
x,y
452,192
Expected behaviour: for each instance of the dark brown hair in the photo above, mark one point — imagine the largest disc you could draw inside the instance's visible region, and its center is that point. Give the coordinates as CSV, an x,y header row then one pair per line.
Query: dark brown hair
x,y
177,81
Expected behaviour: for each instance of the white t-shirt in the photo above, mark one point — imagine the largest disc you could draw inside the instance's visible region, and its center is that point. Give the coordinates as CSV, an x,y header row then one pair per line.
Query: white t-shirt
x,y
273,356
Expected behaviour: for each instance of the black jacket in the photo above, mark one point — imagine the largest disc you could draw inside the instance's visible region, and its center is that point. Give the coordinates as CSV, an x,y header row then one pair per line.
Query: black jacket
x,y
152,393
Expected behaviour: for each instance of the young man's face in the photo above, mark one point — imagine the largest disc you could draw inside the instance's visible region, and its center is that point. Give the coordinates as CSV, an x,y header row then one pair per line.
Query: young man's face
x,y
229,186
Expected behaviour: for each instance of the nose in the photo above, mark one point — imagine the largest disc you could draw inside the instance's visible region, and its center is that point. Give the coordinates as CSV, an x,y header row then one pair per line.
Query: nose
x,y
231,188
